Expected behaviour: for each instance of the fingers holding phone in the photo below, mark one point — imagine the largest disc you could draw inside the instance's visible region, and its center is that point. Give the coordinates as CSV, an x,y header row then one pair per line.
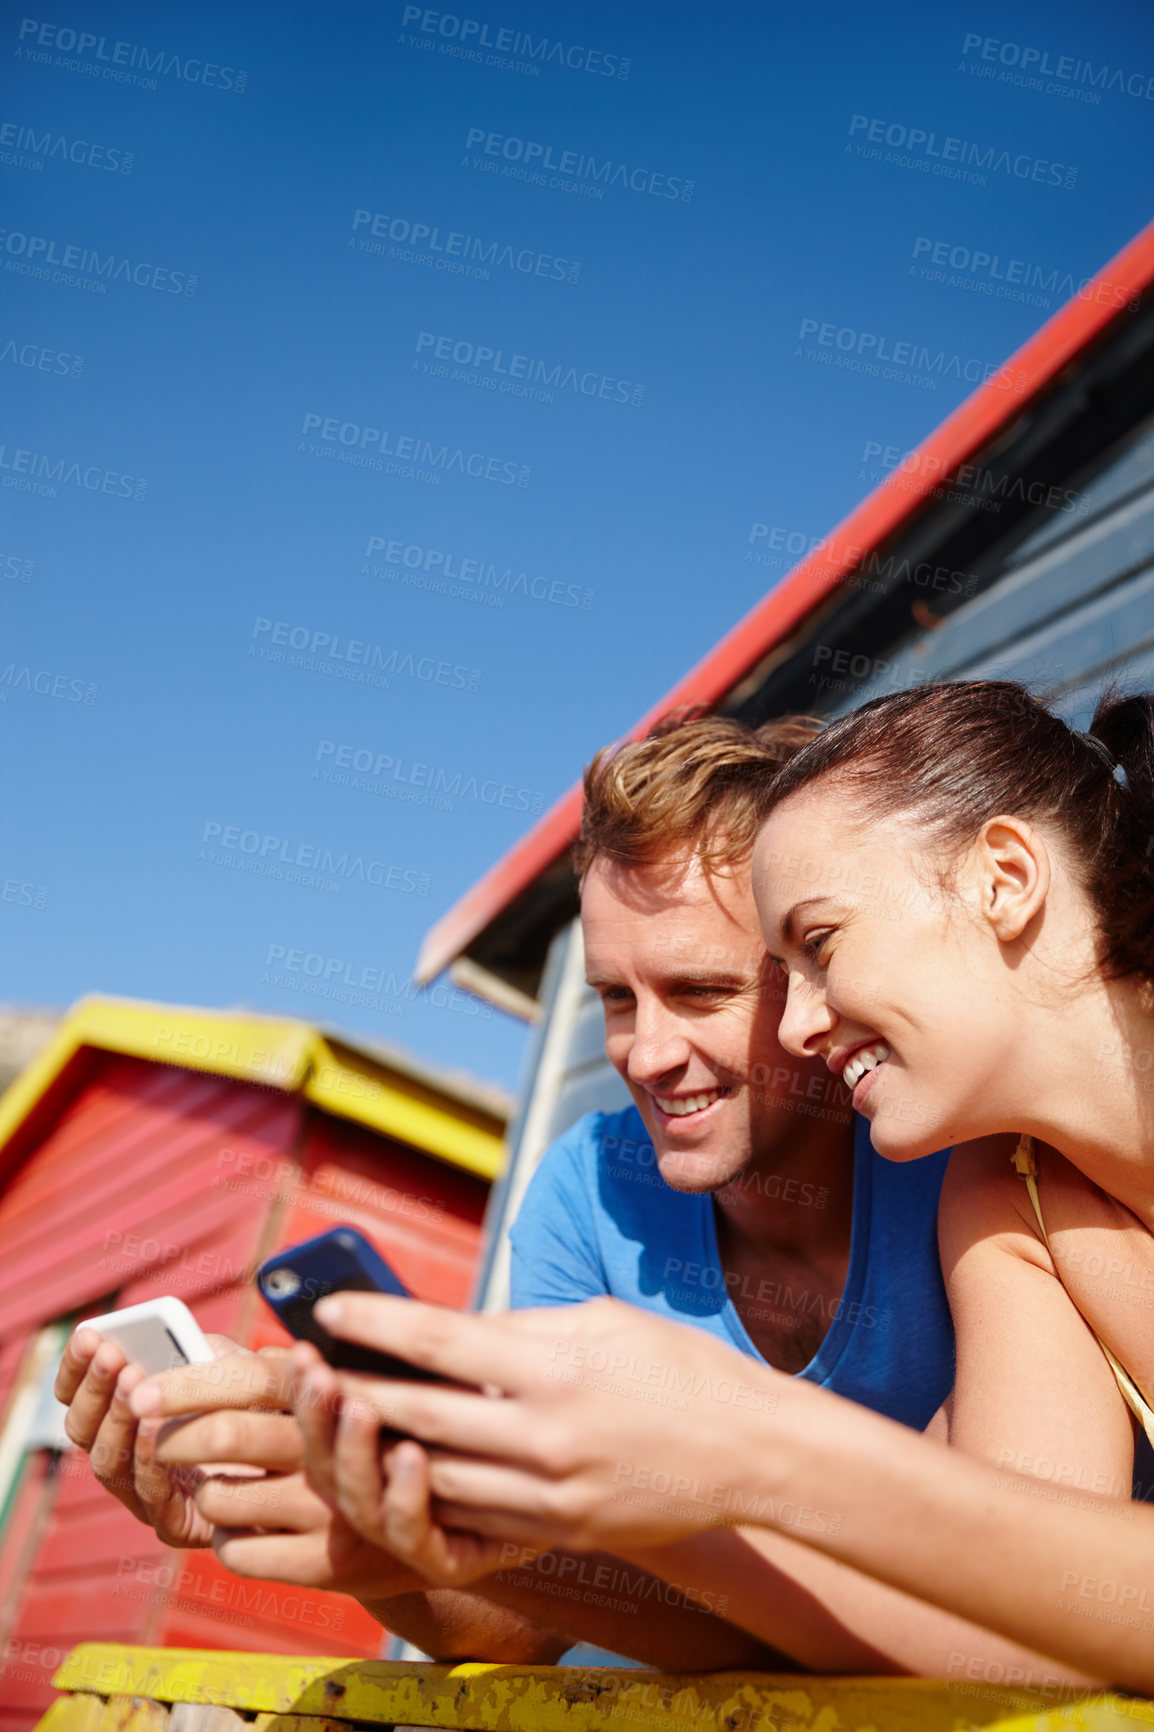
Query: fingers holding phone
x,y
390,1500
225,1438
280,1529
104,1362
86,1382
378,1483
235,1380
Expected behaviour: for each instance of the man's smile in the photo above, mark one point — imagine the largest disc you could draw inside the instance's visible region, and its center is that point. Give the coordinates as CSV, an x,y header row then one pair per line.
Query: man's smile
x,y
683,1106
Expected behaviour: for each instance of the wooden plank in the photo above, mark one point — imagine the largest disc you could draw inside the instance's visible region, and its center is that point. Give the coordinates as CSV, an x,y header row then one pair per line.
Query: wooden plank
x,y
1046,579
73,1714
134,1714
297,1723
190,1717
494,1698
1108,628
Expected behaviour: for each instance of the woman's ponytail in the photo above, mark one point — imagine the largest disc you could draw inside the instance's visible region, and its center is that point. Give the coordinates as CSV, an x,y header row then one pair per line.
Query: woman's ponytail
x,y
1124,887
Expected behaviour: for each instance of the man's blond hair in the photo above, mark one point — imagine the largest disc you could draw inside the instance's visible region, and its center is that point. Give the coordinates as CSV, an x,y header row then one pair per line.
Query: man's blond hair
x,y
690,788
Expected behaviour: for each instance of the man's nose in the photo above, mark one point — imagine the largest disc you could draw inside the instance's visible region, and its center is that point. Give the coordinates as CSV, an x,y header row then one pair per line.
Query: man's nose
x,y
807,1020
658,1047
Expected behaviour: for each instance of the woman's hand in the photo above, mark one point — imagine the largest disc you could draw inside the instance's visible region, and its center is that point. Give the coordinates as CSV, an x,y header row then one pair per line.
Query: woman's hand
x,y
600,1425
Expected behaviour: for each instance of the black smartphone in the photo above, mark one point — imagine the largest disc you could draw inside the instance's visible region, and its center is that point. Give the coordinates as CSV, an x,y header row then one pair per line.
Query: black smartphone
x,y
341,1260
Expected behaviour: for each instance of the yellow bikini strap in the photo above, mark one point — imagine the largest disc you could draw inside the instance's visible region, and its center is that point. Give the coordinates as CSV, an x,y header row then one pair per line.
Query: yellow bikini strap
x,y
1026,1166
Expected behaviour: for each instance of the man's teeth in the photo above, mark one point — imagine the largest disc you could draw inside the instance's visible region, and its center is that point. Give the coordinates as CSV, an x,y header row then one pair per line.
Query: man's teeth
x,y
866,1059
689,1103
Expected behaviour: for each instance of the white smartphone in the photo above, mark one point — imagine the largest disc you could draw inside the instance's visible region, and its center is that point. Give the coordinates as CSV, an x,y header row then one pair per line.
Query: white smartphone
x,y
158,1335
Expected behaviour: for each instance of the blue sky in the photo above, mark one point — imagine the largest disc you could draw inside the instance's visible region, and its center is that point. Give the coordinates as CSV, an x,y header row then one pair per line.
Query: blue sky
x,y
431,513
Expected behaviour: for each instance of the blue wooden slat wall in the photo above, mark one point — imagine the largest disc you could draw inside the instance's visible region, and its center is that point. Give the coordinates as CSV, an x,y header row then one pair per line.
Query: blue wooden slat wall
x,y
1073,608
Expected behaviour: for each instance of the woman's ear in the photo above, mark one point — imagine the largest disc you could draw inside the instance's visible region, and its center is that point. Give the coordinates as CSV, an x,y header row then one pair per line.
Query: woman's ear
x,y
1012,864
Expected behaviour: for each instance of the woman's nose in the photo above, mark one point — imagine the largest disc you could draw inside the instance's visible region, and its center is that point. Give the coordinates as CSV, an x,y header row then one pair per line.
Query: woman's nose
x,y
806,1020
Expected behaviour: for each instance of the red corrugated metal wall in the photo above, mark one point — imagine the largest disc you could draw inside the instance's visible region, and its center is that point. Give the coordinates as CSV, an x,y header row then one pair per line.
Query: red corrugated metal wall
x,y
160,1180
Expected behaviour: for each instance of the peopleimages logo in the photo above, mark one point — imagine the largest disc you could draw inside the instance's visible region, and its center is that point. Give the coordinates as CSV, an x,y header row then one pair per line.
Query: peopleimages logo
x,y
35,472
352,442
278,851
46,685
1012,279
323,650
36,253
519,375
1038,64
54,145
123,59
417,783
368,986
40,359
459,254
953,158
575,165
437,569
467,35
984,484
865,351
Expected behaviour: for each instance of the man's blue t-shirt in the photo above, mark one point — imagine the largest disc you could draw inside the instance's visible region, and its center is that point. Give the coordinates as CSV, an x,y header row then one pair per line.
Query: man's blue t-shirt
x,y
598,1218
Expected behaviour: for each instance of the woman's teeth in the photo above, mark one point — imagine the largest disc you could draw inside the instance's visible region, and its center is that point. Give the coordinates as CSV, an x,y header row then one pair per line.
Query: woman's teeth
x,y
862,1061
689,1103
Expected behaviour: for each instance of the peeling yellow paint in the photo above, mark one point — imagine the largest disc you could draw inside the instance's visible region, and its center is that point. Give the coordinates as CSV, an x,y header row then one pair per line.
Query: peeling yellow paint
x,y
484,1697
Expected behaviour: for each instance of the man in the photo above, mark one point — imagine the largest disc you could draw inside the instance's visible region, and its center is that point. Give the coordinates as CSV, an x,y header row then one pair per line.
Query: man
x,y
736,1193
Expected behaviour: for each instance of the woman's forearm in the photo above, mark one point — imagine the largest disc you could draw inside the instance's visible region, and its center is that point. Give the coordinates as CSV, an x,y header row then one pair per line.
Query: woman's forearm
x,y
1065,1575
831,1618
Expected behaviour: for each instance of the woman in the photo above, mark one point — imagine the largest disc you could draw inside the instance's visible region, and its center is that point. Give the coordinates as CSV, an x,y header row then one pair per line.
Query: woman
x,y
959,890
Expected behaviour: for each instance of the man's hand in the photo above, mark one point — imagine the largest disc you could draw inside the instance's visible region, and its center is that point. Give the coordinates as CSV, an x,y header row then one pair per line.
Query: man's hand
x,y
223,1423
381,1493
278,1529
95,1380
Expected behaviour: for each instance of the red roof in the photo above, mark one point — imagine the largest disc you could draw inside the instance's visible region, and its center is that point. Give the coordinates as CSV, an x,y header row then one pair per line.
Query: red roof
x,y
971,426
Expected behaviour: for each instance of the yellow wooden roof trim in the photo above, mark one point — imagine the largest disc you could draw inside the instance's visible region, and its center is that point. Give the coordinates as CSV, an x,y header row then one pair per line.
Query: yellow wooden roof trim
x,y
294,1056
495,1698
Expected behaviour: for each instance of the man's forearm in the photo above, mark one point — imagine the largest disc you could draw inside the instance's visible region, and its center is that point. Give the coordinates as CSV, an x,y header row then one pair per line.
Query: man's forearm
x,y
453,1624
529,1614
610,1604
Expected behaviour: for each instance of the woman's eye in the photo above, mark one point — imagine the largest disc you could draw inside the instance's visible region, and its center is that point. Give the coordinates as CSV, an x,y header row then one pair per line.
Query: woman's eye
x,y
815,942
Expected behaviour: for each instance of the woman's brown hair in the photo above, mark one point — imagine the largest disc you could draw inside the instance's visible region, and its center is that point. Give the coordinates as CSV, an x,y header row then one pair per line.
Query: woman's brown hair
x,y
957,753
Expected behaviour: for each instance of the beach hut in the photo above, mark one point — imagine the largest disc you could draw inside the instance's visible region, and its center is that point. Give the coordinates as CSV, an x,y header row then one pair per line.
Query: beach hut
x,y
153,1149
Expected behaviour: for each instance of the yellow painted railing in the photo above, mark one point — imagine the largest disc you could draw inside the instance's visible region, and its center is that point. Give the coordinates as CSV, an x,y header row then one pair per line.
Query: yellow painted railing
x,y
126,1689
